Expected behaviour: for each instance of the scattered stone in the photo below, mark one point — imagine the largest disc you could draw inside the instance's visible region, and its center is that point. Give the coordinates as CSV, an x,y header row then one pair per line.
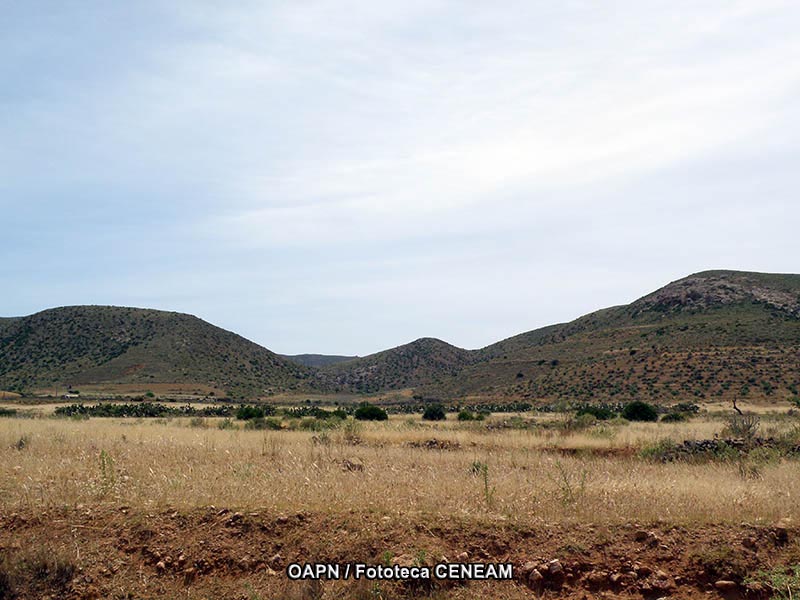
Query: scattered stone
x,y
161,566
404,560
781,536
726,586
464,557
750,542
555,568
352,465
535,579
434,444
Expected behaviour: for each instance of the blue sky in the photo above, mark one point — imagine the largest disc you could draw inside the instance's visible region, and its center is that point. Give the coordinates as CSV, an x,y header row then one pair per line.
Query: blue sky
x,y
346,176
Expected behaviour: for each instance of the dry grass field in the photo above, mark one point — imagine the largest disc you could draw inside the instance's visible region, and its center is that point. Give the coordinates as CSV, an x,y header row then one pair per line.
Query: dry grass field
x,y
113,499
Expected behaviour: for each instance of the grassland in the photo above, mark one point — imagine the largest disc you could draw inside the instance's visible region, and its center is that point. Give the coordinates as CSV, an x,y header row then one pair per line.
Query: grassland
x,y
116,497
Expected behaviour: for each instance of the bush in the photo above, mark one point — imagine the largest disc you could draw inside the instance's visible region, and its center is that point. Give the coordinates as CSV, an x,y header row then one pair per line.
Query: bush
x,y
640,411
260,423
466,415
674,417
245,413
370,412
434,412
659,450
742,426
601,413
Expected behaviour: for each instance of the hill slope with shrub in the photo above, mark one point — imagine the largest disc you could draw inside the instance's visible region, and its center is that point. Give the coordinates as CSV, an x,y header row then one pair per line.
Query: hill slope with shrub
x,y
716,335
80,345
712,335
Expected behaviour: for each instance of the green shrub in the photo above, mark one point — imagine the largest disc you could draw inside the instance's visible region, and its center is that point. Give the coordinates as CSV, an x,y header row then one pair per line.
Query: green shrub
x,y
674,417
660,450
434,412
7,412
466,415
245,412
601,413
742,426
370,412
784,582
198,422
226,424
260,423
640,411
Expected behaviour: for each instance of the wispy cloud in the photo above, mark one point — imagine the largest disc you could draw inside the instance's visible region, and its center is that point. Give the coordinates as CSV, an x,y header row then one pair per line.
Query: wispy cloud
x,y
321,154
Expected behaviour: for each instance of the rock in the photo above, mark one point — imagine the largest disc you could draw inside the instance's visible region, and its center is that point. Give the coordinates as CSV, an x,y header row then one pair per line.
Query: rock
x,y
554,567
464,557
647,537
781,536
404,560
535,579
555,572
352,465
726,586
161,566
750,542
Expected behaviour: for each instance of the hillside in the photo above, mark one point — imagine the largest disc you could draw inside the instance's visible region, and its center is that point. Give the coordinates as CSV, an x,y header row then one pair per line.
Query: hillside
x,y
317,360
712,335
426,361
81,345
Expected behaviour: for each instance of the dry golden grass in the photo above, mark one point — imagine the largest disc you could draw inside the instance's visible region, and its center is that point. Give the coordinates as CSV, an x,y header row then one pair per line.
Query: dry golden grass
x,y
156,464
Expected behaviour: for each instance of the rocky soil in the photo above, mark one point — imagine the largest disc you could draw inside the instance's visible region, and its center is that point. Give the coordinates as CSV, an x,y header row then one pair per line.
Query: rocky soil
x,y
91,553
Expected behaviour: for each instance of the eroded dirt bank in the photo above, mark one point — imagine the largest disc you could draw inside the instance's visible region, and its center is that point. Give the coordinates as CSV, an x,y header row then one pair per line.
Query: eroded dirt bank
x,y
216,553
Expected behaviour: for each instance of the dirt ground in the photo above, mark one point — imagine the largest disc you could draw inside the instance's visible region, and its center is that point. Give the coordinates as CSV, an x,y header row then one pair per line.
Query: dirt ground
x,y
94,553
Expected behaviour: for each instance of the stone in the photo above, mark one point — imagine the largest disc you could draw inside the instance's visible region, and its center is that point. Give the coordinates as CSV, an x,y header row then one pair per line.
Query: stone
x,y
525,570
535,578
726,586
750,542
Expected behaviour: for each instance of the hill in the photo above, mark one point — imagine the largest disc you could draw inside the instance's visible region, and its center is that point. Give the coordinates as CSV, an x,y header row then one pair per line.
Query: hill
x,y
81,345
712,335
317,360
426,361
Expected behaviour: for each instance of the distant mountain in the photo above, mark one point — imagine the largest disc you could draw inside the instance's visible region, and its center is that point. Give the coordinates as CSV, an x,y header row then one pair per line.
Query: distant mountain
x,y
712,335
317,360
426,361
80,345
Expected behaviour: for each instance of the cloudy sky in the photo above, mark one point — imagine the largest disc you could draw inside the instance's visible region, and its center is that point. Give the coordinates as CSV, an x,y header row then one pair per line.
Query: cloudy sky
x,y
345,176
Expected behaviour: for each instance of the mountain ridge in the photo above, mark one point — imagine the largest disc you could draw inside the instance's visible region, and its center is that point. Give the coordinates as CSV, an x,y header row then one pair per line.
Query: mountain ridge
x,y
712,334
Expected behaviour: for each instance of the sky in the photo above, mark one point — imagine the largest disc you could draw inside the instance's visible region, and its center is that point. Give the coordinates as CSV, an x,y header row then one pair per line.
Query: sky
x,y
346,176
